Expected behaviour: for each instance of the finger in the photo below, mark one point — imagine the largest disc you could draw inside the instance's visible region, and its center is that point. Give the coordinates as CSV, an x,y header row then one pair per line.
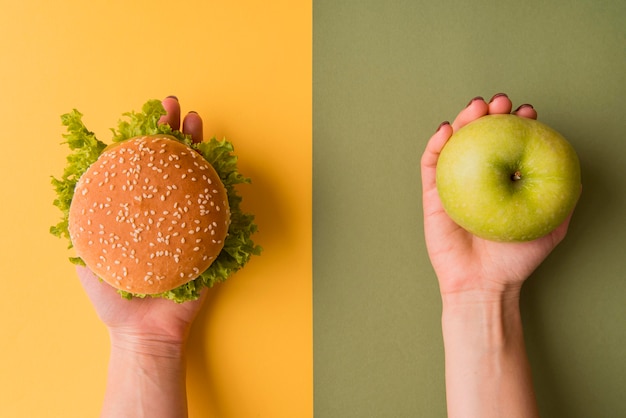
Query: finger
x,y
172,115
436,222
431,155
500,104
526,111
475,109
192,125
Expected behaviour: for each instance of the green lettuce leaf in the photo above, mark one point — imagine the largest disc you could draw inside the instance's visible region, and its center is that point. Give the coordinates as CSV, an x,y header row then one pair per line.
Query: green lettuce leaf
x,y
85,149
238,246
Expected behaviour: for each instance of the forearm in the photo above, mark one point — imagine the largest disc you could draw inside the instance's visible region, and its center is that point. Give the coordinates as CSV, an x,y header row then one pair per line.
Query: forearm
x,y
145,379
487,369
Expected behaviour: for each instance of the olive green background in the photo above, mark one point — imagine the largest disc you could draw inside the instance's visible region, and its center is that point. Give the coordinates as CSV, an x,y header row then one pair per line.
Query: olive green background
x,y
386,73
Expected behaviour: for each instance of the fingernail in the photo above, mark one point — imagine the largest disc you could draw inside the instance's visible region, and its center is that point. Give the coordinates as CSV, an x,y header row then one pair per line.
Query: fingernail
x,y
474,99
442,124
524,105
193,111
498,95
172,97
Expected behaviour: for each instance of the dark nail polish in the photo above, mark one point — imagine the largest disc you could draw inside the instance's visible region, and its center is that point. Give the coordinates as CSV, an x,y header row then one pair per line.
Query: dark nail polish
x,y
172,97
498,95
193,111
442,124
474,99
524,105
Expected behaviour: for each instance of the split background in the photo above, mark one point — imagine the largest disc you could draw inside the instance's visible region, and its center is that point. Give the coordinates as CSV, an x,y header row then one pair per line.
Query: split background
x,y
329,105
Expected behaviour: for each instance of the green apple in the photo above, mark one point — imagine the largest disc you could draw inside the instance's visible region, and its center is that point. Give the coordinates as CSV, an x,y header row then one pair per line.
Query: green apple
x,y
508,178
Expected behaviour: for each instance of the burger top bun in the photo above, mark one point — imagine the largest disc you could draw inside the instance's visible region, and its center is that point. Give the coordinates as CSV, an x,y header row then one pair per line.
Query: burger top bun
x,y
149,215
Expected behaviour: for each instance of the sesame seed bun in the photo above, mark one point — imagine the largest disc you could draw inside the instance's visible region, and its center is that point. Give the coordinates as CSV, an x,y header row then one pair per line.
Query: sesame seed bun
x,y
150,215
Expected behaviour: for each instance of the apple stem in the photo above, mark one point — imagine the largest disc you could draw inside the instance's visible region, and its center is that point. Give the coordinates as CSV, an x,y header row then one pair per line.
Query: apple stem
x,y
516,176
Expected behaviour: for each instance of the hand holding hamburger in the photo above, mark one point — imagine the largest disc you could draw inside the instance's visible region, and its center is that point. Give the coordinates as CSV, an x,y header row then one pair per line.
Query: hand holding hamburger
x,y
156,212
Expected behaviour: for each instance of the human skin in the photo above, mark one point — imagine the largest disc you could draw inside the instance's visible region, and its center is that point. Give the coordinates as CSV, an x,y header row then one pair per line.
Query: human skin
x,y
146,372
486,366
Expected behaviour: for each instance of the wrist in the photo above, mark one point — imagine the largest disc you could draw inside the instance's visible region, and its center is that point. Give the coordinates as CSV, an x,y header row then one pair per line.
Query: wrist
x,y
146,344
487,296
487,370
484,319
146,377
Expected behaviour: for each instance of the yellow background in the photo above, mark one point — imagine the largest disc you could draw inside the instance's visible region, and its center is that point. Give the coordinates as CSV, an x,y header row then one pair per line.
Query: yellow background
x,y
245,66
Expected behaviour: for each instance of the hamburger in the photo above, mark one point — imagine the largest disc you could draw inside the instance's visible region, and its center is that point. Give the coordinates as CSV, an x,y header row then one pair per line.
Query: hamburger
x,y
152,214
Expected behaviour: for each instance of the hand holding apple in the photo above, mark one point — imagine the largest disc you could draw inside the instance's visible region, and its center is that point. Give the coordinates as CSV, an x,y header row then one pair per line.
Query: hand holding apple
x,y
507,178
462,260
